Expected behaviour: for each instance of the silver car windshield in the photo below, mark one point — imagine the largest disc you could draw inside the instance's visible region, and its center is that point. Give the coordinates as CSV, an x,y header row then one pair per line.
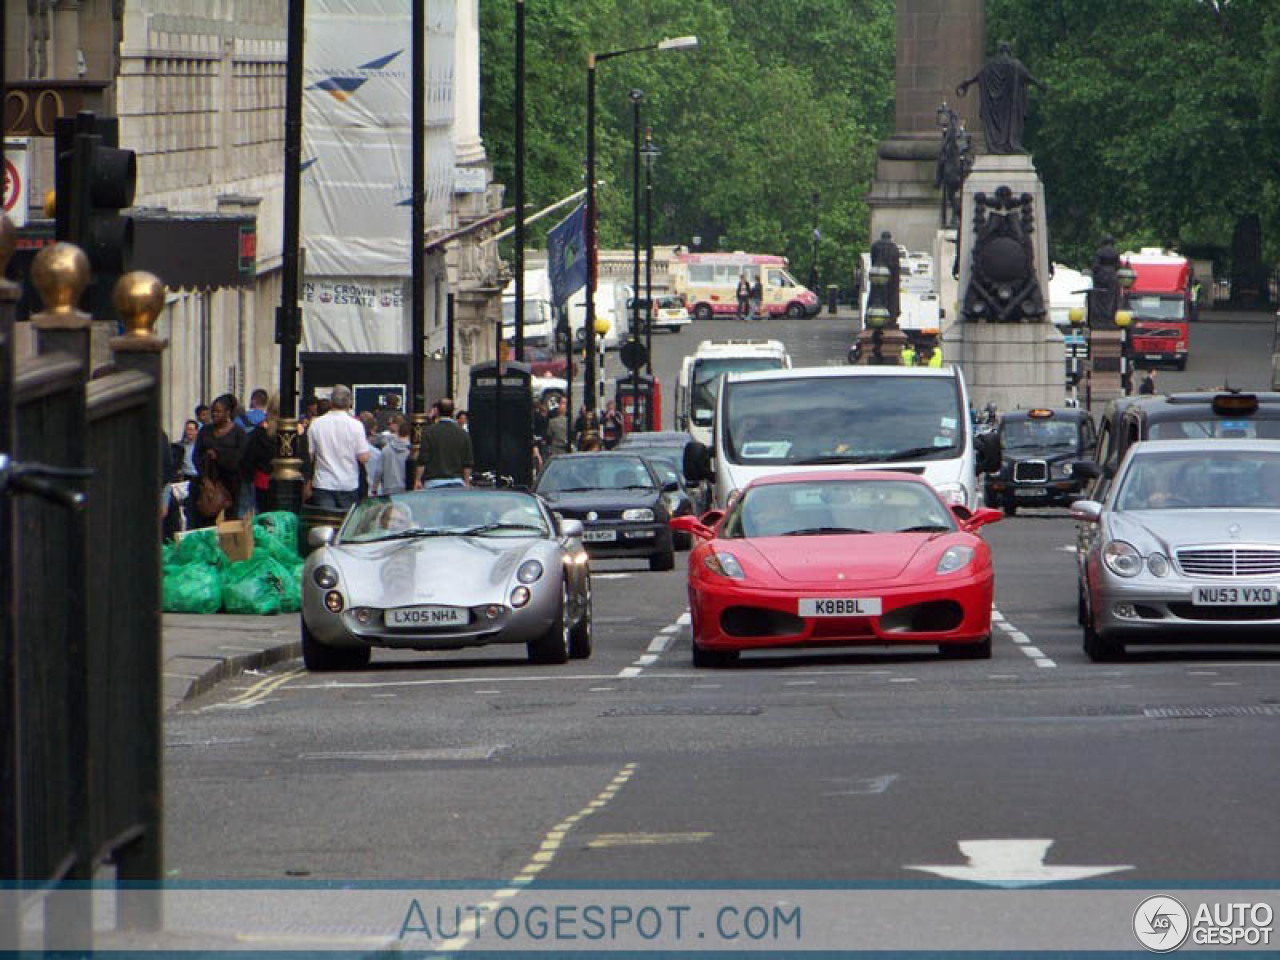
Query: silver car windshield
x,y
838,506
448,511
1192,479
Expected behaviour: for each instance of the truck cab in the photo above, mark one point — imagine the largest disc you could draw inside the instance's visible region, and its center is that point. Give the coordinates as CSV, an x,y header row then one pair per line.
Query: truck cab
x,y
696,388
1160,302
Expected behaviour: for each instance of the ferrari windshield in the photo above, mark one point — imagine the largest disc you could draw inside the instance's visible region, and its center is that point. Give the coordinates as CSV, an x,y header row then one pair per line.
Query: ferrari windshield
x,y
847,419
594,472
447,511
1194,479
837,506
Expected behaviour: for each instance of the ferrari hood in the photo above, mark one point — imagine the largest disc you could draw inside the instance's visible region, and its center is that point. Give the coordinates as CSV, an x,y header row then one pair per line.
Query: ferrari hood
x,y
455,571
840,559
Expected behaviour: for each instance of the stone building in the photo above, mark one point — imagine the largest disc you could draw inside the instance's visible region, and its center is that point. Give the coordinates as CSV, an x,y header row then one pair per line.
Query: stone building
x,y
199,89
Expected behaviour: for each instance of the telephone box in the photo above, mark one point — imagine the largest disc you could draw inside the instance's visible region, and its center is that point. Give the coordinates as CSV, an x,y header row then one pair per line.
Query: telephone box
x,y
636,408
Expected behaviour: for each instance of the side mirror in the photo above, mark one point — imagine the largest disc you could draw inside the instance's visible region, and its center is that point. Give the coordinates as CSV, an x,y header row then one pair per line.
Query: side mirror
x,y
321,537
990,457
712,517
671,486
693,526
1086,469
971,520
1087,511
697,462
572,528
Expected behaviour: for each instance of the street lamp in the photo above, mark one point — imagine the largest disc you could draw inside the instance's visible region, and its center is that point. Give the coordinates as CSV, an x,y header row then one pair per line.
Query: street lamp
x,y
672,43
633,336
1125,277
878,316
813,263
650,152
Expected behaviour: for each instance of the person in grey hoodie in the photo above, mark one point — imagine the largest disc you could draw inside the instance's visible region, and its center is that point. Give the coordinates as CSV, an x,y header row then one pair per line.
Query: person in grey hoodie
x,y
395,455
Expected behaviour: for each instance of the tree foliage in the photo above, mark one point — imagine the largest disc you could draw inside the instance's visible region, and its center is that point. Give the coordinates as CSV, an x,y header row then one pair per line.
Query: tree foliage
x,y
782,99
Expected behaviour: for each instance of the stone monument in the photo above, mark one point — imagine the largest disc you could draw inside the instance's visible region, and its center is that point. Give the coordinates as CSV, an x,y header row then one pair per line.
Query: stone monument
x,y
1011,354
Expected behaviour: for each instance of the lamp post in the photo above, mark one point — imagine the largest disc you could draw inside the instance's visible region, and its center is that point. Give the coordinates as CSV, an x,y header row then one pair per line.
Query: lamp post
x,y
650,152
519,171
1125,277
589,326
813,263
878,316
637,98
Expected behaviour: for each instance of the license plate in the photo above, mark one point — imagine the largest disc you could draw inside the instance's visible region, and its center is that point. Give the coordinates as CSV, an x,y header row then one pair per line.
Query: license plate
x,y
1029,494
427,616
599,536
840,607
1234,596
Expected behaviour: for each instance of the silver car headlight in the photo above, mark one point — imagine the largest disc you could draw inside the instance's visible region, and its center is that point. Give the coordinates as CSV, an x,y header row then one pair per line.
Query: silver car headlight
x,y
1122,558
638,515
953,559
1158,564
529,571
325,577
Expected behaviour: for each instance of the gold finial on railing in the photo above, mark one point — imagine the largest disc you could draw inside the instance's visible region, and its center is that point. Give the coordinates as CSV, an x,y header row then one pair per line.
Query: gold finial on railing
x,y
8,242
60,272
139,297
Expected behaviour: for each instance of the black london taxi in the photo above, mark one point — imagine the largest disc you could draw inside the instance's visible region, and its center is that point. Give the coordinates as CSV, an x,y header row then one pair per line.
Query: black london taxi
x,y
1038,449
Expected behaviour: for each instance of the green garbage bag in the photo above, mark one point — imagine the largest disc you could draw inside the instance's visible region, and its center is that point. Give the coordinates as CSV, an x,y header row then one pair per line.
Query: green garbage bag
x,y
200,546
167,551
256,585
292,601
193,588
280,523
265,540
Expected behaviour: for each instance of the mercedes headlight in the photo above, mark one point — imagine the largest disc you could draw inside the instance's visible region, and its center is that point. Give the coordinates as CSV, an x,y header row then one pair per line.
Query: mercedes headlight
x,y
725,565
1158,564
325,577
638,515
529,571
953,494
954,558
1122,559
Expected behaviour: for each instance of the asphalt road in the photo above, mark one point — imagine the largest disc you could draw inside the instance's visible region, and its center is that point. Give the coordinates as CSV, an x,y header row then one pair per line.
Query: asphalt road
x,y
843,767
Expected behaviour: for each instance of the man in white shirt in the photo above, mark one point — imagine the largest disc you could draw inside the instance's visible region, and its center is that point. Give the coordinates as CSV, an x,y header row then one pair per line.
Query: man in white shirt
x,y
338,445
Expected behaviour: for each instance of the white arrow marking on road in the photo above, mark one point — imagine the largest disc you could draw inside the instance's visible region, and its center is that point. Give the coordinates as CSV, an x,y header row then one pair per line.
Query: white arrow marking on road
x,y
1011,864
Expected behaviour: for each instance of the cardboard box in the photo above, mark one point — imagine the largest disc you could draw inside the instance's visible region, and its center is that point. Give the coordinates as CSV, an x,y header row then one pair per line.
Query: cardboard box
x,y
235,537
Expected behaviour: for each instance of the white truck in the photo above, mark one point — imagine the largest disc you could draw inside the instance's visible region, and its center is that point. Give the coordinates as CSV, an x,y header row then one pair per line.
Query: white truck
x,y
920,308
539,316
700,374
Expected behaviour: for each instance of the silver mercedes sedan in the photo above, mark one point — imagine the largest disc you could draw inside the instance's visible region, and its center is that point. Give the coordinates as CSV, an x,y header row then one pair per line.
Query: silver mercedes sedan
x,y
1184,547
444,569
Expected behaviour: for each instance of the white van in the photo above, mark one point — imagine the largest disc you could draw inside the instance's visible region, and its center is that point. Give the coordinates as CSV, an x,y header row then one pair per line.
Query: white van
x,y
908,419
539,316
700,373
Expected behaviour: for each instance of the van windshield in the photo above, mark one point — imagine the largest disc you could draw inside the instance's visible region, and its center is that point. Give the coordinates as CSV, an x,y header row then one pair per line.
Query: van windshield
x,y
1149,307
706,377
532,311
854,419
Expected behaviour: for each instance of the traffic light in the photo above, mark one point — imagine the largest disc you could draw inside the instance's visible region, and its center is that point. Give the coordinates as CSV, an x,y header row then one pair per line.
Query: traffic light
x,y
94,181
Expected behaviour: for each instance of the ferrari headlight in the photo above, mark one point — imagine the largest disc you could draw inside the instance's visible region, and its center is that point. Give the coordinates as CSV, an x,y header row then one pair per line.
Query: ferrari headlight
x,y
529,571
953,494
325,577
638,515
725,565
1122,558
1158,564
953,559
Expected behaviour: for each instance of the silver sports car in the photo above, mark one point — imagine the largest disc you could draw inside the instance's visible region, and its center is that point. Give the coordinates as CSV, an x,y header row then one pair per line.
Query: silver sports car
x,y
1184,547
443,569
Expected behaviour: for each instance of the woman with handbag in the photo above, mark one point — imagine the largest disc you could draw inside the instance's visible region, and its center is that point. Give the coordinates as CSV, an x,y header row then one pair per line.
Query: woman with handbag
x,y
219,449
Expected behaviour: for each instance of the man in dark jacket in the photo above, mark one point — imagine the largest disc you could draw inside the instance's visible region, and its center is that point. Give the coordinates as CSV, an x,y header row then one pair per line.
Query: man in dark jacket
x,y
444,457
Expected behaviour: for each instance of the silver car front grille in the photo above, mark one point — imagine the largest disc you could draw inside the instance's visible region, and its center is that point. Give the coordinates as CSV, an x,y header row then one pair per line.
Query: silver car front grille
x,y
1030,471
1230,562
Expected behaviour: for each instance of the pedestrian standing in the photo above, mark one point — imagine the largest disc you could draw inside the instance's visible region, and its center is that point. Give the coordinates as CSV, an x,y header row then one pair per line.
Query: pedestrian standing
x,y
202,415
444,454
1148,385
558,428
464,419
260,449
757,299
744,296
371,468
589,432
256,413
186,470
612,426
219,449
338,445
395,455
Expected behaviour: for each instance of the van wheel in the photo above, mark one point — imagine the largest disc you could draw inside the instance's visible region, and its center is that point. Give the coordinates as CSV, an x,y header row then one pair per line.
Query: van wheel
x,y
702,312
795,311
1010,509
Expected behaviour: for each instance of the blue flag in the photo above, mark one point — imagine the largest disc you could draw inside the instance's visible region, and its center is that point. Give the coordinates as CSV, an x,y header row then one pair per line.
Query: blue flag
x,y
567,255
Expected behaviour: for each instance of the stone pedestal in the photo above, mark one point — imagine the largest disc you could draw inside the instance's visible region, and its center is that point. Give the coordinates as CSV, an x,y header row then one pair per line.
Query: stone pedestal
x,y
1018,173
892,341
1106,349
1009,364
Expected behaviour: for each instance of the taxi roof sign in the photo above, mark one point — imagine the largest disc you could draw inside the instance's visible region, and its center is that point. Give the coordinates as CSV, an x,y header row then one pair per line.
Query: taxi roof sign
x,y
1235,403
1040,413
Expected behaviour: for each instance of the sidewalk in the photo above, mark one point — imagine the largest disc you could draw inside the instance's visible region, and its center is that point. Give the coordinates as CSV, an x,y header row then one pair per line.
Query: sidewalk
x,y
199,651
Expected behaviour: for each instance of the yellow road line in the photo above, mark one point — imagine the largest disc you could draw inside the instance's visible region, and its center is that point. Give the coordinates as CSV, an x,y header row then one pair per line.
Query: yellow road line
x,y
265,687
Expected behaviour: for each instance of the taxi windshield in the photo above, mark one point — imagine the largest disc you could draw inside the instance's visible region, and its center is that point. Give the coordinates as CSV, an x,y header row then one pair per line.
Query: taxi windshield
x,y
1193,480
837,507
447,511
1221,428
1033,435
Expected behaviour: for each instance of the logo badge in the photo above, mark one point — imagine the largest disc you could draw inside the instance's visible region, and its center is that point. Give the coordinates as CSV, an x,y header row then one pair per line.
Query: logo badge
x,y
1234,530
592,515
1161,924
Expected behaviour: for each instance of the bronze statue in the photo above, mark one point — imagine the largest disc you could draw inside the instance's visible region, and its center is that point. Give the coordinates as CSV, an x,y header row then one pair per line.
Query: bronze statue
x,y
1002,279
884,253
955,158
1104,298
1003,83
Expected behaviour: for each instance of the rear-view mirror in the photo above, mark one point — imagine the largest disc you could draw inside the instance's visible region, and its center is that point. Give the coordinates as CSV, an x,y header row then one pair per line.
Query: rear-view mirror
x,y
697,463
1086,469
321,536
711,517
987,448
572,528
979,518
671,486
692,525
1087,511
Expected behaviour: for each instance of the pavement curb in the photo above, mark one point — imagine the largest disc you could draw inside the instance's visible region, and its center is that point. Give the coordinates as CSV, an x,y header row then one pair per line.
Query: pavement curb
x,y
181,688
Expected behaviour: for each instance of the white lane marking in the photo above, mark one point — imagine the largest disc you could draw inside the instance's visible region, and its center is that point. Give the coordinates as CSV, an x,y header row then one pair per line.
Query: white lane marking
x,y
801,683
1011,864
1202,673
903,680
600,689
684,619
487,692
707,686
1035,654
610,576
1068,548
1002,676
657,645
1224,683
383,696
863,786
